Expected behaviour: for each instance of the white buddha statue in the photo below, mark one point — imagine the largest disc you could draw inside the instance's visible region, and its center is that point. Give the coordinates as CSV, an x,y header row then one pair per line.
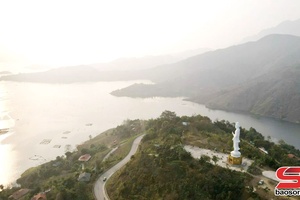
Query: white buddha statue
x,y
236,141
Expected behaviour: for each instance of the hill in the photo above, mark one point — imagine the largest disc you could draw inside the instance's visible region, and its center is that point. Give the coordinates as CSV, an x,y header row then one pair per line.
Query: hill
x,y
146,62
286,27
208,77
60,177
275,95
118,70
162,169
82,73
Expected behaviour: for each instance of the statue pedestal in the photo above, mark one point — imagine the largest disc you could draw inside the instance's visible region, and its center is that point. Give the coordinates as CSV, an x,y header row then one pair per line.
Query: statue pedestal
x,y
235,160
235,153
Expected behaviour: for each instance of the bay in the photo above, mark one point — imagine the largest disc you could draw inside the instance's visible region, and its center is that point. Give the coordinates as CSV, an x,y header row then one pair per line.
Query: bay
x,y
52,118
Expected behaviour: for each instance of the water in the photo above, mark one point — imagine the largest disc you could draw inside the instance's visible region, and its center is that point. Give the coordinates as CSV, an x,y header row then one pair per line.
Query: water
x,y
52,117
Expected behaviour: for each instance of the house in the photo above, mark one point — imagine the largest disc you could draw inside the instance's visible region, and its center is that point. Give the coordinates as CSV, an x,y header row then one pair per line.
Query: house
x,y
40,196
56,164
263,150
185,123
85,158
261,182
290,155
18,194
84,177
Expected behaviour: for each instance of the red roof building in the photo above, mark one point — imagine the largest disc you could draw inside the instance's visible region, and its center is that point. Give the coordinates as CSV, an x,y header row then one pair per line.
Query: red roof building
x,y
291,155
40,196
84,158
18,194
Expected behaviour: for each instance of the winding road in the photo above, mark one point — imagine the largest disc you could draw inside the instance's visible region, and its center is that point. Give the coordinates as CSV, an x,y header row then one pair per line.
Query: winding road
x,y
99,187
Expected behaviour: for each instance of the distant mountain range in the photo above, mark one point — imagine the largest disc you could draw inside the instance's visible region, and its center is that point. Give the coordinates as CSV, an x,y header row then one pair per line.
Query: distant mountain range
x,y
260,77
118,70
5,72
146,62
286,27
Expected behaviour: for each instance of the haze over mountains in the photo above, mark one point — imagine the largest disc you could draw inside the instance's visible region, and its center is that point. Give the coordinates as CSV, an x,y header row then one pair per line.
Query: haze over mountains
x,y
116,70
146,62
254,77
260,77
286,27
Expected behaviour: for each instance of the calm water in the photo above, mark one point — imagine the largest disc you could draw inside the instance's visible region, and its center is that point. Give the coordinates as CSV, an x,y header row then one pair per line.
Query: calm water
x,y
50,118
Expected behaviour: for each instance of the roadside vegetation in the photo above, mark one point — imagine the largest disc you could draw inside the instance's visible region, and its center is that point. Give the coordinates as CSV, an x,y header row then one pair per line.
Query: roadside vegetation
x,y
161,169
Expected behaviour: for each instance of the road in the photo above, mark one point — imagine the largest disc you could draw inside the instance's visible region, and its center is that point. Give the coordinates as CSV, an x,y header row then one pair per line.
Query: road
x,y
99,190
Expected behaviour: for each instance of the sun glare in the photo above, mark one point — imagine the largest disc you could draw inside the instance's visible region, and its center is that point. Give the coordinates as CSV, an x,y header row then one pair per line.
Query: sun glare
x,y
5,156
82,32
75,32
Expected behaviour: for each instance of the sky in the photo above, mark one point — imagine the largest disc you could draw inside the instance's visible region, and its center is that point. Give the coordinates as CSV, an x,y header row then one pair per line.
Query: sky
x,y
58,33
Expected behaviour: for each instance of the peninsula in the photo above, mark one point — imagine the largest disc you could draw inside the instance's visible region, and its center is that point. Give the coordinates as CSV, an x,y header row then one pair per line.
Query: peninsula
x,y
163,161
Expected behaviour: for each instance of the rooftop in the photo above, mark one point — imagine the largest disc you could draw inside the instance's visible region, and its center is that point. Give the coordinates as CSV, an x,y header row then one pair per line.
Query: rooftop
x,y
84,158
18,194
84,177
40,196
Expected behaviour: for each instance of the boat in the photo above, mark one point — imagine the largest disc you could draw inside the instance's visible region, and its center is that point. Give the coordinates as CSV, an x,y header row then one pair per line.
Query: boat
x,y
4,130
6,124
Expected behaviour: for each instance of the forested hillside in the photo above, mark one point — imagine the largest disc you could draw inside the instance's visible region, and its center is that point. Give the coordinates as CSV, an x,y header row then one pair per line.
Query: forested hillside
x,y
162,169
255,77
276,94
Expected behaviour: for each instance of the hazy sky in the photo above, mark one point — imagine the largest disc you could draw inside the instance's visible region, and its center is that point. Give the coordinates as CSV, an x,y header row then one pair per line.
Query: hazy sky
x,y
75,32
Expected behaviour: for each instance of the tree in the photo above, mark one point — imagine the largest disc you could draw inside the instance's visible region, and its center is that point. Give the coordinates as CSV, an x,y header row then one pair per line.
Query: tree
x,y
68,154
204,159
84,151
215,159
58,158
168,115
281,142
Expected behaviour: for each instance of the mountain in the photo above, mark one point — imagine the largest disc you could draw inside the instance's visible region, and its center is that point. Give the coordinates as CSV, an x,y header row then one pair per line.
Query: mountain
x,y
286,27
146,62
253,77
5,72
275,95
117,70
224,68
224,79
82,73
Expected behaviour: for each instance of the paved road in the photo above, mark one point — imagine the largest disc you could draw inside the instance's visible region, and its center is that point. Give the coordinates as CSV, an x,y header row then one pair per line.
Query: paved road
x,y
99,185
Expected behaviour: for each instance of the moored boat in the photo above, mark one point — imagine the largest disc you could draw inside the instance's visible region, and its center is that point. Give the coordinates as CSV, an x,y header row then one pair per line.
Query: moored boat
x,y
6,124
4,130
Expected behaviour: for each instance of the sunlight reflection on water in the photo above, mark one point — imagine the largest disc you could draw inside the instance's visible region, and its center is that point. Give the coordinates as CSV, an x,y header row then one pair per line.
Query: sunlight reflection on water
x,y
6,165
